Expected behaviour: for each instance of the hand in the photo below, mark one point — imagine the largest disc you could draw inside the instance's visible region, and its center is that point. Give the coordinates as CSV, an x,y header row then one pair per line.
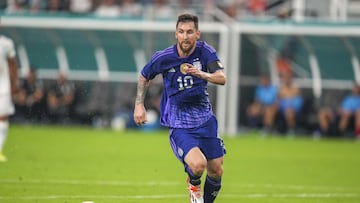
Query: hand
x,y
140,114
196,72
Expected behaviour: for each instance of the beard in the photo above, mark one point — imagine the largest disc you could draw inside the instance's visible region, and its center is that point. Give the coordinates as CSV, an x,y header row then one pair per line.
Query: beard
x,y
186,50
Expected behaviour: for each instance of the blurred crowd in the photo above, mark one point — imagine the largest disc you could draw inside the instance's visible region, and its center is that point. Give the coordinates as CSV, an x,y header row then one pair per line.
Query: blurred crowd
x,y
276,108
63,101
283,108
156,9
37,102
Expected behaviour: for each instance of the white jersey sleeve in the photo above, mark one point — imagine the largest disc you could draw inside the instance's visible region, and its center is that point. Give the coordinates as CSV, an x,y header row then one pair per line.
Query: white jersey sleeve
x,y
7,50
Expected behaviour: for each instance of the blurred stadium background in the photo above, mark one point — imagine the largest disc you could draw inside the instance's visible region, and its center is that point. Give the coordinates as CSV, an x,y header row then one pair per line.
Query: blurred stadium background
x,y
103,54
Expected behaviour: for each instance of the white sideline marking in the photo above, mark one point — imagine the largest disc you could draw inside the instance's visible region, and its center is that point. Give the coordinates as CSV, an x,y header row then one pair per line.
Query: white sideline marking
x,y
84,182
294,187
168,183
95,197
175,196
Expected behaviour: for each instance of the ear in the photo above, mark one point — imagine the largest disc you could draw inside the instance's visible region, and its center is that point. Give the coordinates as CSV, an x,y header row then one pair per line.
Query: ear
x,y
198,34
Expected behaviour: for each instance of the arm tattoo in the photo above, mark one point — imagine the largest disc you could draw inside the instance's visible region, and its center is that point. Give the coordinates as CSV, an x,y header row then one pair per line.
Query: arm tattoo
x,y
142,88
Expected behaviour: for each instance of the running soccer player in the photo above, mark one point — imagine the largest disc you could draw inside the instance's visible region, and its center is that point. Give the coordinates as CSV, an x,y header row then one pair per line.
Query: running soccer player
x,y
186,68
8,87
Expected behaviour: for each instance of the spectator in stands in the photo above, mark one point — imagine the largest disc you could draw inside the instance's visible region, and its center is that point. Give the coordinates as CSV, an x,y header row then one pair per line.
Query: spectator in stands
x,y
56,6
231,8
159,10
263,110
37,6
60,99
283,65
209,8
108,8
16,6
290,102
337,121
184,6
286,55
256,7
81,6
29,101
131,8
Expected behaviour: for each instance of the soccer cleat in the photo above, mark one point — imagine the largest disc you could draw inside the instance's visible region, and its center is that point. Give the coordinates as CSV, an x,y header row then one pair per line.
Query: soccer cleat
x,y
2,157
195,193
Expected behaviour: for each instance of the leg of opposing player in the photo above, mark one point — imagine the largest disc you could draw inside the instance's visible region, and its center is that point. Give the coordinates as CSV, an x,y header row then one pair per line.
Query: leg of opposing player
x,y
3,134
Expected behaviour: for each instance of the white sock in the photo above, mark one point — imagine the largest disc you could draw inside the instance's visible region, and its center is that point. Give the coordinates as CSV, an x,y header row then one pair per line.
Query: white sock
x,y
4,125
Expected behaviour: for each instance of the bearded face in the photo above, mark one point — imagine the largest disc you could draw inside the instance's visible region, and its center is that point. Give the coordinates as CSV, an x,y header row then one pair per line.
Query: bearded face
x,y
186,46
186,35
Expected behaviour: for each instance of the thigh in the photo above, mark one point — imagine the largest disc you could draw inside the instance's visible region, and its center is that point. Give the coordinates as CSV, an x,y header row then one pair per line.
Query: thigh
x,y
211,144
205,137
270,109
6,105
255,109
182,141
213,147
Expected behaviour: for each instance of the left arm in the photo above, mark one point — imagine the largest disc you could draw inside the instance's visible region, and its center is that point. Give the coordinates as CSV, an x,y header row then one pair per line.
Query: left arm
x,y
218,77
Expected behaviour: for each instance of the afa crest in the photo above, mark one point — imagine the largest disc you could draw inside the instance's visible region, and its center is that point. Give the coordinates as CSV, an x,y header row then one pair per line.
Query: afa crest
x,y
197,65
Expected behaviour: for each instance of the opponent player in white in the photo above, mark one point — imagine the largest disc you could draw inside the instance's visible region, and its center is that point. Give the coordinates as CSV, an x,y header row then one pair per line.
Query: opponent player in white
x,y
8,87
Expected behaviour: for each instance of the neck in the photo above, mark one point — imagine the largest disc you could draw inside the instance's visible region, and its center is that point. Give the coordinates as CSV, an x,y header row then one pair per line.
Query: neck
x,y
184,54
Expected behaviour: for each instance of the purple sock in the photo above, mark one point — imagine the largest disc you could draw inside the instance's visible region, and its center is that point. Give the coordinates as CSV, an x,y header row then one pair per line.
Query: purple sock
x,y
194,179
211,189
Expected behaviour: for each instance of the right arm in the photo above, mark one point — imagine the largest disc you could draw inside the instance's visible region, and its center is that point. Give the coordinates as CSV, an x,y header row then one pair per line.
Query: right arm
x,y
139,110
13,75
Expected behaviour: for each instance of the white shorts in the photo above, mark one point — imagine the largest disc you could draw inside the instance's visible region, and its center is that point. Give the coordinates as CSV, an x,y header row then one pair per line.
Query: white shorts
x,y
6,105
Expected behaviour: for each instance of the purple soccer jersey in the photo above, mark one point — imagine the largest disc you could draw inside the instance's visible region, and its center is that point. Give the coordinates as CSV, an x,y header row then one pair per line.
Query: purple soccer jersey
x,y
185,102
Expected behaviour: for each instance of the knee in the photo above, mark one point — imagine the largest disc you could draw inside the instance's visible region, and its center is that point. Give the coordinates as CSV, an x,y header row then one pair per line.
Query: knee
x,y
198,167
216,172
290,113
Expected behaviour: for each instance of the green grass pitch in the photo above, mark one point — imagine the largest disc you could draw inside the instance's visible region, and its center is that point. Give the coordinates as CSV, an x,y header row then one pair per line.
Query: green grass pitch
x,y
76,164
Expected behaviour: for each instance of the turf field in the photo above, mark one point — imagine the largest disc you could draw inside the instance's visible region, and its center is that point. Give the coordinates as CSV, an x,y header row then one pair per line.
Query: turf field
x,y
73,164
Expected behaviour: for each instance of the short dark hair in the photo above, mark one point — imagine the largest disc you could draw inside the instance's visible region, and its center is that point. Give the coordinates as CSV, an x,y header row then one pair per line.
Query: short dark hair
x,y
186,17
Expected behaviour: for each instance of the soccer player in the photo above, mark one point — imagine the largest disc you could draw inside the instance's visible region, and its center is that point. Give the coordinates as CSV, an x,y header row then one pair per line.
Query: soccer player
x,y
8,87
186,68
